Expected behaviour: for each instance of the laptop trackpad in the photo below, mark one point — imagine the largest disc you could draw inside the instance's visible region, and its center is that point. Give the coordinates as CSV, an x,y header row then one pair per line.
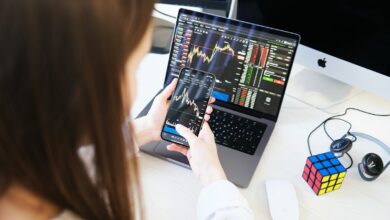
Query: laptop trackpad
x,y
161,149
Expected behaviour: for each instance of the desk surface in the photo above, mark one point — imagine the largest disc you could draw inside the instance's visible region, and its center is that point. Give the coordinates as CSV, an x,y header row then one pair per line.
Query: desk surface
x,y
171,191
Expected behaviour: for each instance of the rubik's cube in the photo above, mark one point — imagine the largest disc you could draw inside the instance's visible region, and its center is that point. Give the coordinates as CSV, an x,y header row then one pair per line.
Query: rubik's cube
x,y
324,173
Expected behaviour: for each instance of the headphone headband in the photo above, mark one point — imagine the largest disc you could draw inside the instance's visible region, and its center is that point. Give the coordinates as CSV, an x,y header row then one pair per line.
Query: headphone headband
x,y
368,169
373,139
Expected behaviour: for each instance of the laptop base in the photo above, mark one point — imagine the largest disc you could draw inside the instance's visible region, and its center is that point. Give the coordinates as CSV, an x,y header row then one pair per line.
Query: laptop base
x,y
239,167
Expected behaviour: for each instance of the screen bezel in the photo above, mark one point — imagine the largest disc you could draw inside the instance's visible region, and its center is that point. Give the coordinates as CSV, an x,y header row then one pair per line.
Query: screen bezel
x,y
257,27
208,101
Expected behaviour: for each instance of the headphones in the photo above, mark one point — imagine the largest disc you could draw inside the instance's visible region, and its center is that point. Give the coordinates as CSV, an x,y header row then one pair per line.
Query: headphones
x,y
371,166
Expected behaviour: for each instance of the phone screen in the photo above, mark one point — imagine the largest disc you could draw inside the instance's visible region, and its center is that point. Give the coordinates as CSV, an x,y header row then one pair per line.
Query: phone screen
x,y
188,104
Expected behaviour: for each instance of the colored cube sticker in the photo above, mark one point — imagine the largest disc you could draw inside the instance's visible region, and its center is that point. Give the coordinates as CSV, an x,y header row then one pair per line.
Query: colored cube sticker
x,y
324,173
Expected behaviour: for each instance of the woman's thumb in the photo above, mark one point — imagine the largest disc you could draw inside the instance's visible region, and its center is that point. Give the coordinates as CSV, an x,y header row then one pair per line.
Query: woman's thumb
x,y
186,133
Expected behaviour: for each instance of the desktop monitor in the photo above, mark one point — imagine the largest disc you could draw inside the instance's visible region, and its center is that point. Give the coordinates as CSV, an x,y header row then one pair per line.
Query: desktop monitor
x,y
348,41
163,28
216,7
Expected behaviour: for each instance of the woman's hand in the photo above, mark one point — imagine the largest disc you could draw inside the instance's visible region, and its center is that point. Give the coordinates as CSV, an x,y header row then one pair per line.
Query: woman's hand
x,y
202,154
148,128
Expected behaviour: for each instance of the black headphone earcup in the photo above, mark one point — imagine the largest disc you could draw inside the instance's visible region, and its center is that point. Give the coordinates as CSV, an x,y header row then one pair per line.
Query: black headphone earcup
x,y
341,146
370,167
372,164
362,173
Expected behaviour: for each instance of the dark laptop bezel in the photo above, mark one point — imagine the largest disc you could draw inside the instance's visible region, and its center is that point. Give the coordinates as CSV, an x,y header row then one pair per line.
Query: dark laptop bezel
x,y
257,27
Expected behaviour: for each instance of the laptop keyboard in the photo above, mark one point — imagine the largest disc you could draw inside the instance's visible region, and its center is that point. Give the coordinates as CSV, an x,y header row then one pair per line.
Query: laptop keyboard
x,y
236,132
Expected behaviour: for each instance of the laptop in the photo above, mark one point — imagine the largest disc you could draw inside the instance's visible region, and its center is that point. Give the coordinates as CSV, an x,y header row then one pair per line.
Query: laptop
x,y
252,64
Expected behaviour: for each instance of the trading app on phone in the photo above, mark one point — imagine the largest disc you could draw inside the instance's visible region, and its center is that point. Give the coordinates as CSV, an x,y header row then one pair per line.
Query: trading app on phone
x,y
188,104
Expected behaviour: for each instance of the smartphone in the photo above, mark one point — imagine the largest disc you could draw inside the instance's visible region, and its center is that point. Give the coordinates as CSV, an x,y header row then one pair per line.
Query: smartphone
x,y
188,104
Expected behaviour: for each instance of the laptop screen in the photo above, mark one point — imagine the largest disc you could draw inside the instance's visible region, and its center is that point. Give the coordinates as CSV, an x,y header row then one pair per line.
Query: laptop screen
x,y
251,62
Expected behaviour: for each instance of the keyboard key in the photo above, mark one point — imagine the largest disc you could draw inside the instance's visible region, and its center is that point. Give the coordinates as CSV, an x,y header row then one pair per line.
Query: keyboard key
x,y
236,132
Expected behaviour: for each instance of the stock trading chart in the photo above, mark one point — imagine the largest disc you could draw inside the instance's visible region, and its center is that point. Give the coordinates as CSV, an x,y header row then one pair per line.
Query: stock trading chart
x,y
189,101
214,53
250,67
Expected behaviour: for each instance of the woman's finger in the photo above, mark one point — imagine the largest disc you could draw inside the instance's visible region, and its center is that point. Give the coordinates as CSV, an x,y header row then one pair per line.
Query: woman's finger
x,y
209,109
212,100
177,148
206,117
186,133
167,92
206,131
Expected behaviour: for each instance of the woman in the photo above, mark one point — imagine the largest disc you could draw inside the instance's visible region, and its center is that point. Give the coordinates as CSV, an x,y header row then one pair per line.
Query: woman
x,y
66,88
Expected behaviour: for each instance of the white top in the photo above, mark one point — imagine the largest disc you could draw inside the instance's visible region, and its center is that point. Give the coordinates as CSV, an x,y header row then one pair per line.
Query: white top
x,y
220,200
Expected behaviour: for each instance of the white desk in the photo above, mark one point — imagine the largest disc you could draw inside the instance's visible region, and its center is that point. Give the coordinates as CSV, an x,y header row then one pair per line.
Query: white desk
x,y
171,191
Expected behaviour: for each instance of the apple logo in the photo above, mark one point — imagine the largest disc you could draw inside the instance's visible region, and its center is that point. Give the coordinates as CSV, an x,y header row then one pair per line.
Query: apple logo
x,y
322,62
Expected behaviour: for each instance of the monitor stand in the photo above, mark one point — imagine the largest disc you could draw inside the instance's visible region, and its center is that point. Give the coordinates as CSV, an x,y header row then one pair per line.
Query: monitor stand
x,y
320,91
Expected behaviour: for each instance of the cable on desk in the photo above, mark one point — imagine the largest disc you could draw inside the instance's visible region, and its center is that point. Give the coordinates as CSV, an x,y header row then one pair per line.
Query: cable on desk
x,y
350,165
354,138
163,13
336,117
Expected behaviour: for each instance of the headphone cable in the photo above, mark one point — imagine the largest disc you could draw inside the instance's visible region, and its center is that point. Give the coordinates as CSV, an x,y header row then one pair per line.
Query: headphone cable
x,y
163,13
336,117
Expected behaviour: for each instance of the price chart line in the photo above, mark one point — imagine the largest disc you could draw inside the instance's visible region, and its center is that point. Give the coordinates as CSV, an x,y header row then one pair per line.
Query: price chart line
x,y
184,98
200,53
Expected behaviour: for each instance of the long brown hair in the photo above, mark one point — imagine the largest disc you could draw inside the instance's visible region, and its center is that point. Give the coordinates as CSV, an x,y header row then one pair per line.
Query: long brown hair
x,y
61,69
